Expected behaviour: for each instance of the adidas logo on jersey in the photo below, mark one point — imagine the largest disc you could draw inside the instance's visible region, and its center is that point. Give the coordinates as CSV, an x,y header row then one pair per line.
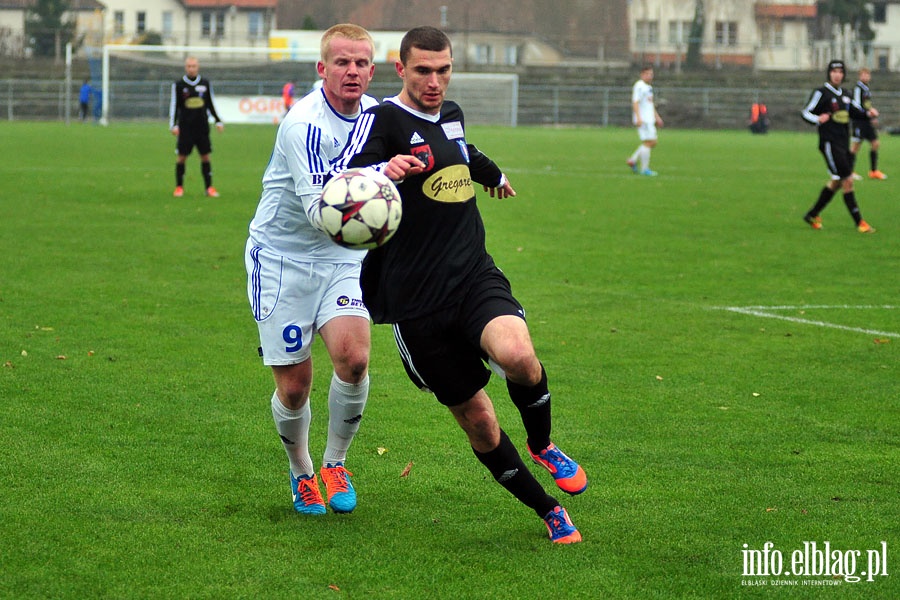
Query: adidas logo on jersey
x,y
416,139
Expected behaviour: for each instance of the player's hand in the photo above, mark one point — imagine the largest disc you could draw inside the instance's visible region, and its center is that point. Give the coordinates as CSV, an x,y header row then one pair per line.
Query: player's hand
x,y
402,166
872,112
220,127
175,131
824,117
659,122
503,189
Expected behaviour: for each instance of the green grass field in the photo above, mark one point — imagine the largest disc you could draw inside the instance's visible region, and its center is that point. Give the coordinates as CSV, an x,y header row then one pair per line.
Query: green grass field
x,y
726,375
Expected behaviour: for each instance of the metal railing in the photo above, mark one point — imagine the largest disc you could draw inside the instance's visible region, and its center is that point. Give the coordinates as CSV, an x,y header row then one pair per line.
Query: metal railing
x,y
563,105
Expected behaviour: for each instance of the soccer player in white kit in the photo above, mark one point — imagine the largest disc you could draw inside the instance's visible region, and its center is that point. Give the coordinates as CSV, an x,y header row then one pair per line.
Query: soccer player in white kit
x,y
300,283
646,119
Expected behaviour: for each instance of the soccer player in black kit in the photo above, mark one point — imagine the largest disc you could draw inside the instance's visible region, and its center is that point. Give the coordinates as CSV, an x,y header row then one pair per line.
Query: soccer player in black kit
x,y
864,129
189,112
831,109
451,308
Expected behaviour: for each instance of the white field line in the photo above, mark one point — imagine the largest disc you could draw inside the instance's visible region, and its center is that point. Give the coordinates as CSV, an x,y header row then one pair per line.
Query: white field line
x,y
766,312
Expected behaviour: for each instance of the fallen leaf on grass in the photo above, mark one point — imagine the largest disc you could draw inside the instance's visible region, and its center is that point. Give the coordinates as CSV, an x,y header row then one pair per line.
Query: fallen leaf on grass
x,y
882,340
771,509
659,377
333,587
380,450
61,357
406,471
8,364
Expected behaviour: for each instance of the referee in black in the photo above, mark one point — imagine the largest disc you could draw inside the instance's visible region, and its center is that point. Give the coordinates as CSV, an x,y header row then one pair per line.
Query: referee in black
x,y
189,112
831,109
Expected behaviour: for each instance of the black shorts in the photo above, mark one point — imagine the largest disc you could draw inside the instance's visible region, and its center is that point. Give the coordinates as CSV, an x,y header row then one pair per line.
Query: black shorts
x,y
863,130
442,353
837,158
188,137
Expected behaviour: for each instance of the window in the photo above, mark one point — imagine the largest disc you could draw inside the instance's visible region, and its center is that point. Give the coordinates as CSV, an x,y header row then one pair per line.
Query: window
x,y
212,25
119,22
679,32
879,12
168,21
255,25
772,34
141,24
726,33
646,32
484,54
511,55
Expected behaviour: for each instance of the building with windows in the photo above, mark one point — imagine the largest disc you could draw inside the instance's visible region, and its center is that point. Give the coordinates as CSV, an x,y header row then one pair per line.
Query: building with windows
x,y
189,22
885,51
766,36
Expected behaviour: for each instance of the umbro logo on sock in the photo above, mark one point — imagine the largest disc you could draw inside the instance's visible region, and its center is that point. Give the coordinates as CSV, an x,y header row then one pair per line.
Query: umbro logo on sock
x,y
354,420
507,475
416,138
541,401
287,441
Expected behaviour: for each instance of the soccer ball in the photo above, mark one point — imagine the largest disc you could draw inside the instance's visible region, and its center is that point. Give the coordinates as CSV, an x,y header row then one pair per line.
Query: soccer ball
x,y
360,208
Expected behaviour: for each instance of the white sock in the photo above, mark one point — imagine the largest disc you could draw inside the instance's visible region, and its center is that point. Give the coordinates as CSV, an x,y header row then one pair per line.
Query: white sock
x,y
635,154
293,427
346,402
645,157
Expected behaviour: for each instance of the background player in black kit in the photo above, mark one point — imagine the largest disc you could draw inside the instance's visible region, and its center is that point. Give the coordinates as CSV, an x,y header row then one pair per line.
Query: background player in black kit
x,y
189,112
451,308
831,109
864,129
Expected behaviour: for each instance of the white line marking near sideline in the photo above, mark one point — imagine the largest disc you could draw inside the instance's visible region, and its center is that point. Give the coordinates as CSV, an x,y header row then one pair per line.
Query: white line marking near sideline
x,y
764,311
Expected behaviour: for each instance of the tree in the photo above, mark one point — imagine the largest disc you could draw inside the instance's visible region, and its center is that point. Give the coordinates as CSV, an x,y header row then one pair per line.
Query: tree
x,y
695,41
48,27
853,20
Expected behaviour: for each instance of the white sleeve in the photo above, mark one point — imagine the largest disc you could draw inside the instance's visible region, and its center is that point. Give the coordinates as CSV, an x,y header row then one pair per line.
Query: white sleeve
x,y
308,165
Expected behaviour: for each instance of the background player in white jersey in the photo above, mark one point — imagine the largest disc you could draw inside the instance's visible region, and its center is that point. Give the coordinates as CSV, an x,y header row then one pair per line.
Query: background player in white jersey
x,y
300,283
646,119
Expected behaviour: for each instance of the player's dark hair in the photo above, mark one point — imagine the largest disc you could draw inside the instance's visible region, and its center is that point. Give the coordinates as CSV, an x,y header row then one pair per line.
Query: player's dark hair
x,y
424,38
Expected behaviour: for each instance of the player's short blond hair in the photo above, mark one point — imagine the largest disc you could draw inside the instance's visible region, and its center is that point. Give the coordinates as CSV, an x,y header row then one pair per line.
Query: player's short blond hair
x,y
347,31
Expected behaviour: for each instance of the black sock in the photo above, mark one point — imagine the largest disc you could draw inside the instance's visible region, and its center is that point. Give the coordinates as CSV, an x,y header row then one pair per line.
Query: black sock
x,y
824,198
853,161
852,206
534,406
179,174
508,470
206,169
873,158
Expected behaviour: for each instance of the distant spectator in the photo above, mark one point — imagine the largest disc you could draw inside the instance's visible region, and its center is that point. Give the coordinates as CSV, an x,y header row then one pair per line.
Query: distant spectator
x,y
759,118
287,95
865,129
84,99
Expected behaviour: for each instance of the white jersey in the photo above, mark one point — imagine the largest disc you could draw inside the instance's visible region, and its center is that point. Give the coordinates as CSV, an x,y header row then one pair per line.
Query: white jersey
x,y
642,93
309,140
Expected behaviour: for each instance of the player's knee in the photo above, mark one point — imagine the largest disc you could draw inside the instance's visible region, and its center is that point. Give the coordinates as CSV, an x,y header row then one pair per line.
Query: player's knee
x,y
352,366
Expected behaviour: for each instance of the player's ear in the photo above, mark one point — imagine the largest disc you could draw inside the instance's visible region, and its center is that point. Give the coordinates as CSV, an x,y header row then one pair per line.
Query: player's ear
x,y
399,67
320,68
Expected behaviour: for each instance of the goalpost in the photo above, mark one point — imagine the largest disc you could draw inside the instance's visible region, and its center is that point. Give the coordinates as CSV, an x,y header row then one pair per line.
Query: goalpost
x,y
486,98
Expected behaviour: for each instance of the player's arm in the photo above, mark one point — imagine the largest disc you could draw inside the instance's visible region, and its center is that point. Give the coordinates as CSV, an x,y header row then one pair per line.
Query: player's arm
x,y
486,172
811,113
308,165
174,110
368,147
211,108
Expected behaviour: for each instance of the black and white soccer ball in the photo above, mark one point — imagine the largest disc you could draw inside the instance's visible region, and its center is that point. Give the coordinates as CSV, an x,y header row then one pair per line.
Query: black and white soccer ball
x,y
360,208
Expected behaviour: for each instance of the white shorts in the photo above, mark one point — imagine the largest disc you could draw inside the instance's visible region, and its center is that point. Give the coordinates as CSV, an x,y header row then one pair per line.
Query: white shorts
x,y
292,300
647,132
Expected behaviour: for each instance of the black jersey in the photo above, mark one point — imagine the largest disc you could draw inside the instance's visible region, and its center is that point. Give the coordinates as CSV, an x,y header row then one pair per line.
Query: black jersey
x,y
192,102
440,244
832,100
862,97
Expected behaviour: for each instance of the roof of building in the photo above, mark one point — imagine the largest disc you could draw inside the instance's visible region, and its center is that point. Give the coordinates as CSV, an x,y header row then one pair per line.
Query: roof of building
x,y
225,4
786,11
